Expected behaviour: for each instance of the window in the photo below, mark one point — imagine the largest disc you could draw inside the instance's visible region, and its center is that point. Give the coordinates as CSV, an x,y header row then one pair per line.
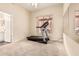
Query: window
x,y
42,19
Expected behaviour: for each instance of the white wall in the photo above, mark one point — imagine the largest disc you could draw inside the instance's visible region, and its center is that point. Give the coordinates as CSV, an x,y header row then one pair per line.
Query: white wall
x,y
65,7
57,13
20,18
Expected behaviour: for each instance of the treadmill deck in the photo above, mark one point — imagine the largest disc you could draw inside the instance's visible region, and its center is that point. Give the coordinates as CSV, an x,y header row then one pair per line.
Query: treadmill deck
x,y
37,39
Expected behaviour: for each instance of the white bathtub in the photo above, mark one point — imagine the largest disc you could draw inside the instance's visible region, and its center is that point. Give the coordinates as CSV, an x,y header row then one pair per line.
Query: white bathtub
x,y
71,46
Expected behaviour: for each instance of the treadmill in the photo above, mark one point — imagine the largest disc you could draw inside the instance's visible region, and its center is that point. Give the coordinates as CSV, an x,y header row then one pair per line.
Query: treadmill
x,y
41,39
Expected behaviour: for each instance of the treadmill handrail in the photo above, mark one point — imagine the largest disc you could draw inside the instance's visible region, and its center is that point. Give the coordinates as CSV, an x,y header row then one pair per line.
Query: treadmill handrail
x,y
44,25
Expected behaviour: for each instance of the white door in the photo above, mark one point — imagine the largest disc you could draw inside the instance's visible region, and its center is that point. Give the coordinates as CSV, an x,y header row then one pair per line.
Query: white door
x,y
7,35
1,27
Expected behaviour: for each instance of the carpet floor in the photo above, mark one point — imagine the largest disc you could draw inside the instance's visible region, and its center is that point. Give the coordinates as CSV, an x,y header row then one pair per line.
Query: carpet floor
x,y
30,48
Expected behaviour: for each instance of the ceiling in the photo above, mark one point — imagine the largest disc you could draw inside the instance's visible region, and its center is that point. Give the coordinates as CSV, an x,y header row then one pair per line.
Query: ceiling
x,y
31,8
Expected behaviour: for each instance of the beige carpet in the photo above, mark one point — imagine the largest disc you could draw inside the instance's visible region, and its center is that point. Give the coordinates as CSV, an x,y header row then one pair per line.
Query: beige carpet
x,y
30,48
